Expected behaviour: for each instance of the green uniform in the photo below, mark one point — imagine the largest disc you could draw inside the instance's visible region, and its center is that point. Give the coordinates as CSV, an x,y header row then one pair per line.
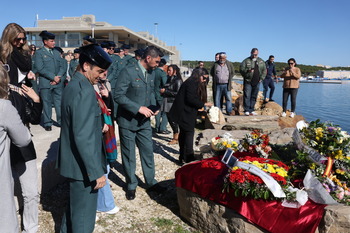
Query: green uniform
x,y
48,65
159,82
133,91
72,67
81,156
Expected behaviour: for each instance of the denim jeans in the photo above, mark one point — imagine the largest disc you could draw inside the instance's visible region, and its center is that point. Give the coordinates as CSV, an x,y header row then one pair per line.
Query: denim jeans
x,y
222,89
250,93
268,83
105,199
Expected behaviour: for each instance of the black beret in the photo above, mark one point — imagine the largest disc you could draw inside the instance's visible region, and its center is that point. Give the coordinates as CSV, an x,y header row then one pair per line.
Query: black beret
x,y
105,44
139,52
111,44
117,50
95,55
59,49
125,46
76,50
47,35
90,39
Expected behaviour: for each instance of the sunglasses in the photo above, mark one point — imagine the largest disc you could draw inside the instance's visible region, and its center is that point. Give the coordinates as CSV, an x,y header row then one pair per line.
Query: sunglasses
x,y
290,63
6,67
21,38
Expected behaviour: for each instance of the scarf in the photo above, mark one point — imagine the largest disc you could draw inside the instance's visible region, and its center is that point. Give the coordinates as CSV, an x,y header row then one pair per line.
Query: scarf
x,y
108,137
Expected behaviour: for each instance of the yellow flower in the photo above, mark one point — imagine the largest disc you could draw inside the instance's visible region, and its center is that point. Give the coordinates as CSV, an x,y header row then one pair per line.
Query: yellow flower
x,y
235,168
281,172
224,143
235,144
228,146
339,154
313,166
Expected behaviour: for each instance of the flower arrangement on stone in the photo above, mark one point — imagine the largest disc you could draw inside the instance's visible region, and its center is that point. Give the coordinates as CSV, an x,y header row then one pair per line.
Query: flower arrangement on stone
x,y
256,142
324,149
221,143
246,184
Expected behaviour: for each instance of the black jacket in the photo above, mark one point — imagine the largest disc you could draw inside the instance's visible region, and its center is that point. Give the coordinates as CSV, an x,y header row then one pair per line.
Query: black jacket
x,y
29,111
171,87
186,105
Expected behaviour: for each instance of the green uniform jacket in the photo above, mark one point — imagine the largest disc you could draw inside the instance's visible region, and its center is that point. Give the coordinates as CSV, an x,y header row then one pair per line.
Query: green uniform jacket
x,y
159,82
81,153
131,92
73,66
48,66
248,64
231,71
64,76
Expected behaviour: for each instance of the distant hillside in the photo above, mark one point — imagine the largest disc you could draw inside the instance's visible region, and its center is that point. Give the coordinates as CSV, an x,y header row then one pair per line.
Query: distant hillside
x,y
305,69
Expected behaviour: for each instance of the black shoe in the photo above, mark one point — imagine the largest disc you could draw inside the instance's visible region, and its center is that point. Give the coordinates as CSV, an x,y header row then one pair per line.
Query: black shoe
x,y
271,100
130,194
48,128
157,188
164,132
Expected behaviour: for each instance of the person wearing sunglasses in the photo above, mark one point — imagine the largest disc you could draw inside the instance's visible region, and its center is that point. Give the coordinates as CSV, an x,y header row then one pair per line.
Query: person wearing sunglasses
x,y
253,70
291,76
15,53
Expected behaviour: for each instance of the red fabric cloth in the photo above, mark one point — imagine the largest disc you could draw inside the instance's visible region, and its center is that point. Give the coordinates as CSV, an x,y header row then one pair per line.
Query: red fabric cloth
x,y
206,178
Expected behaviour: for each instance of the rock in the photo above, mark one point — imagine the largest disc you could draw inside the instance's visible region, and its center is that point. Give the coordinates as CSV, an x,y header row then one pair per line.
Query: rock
x,y
336,219
281,137
264,123
216,116
287,122
239,106
208,216
237,87
271,109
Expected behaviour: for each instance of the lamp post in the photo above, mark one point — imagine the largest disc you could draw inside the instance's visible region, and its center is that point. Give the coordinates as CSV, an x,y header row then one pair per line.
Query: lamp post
x,y
93,30
156,29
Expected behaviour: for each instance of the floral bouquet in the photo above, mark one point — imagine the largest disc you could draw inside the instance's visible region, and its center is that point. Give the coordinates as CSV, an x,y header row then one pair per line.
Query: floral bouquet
x,y
332,165
244,183
256,142
221,143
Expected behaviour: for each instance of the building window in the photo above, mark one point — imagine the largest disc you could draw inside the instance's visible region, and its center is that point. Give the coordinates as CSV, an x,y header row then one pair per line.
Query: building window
x,y
73,39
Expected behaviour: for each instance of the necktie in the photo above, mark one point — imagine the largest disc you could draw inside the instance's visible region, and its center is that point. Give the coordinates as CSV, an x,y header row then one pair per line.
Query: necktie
x,y
50,50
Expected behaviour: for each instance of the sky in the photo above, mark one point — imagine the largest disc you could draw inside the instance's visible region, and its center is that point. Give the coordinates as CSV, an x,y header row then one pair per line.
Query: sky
x,y
311,31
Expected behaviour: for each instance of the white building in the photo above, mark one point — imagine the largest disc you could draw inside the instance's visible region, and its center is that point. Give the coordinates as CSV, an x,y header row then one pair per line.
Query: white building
x,y
69,32
333,74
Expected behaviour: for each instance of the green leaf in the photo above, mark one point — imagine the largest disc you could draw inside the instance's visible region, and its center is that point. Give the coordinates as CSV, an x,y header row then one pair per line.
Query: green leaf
x,y
266,195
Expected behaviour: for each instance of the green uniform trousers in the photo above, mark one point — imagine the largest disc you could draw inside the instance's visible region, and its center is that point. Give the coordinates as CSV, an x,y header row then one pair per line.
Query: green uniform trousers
x,y
51,96
142,138
81,210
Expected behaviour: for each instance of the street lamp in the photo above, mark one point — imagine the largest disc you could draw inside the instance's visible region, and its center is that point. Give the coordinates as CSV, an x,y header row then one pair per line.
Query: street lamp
x,y
156,29
93,30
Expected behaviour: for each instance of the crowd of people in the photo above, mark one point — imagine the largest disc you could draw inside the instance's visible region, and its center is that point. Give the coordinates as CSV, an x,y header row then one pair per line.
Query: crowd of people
x,y
94,89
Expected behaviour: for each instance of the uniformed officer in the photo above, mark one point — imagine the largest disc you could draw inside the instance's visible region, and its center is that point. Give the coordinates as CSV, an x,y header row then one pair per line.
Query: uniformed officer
x,y
74,63
48,64
159,82
65,67
134,94
82,157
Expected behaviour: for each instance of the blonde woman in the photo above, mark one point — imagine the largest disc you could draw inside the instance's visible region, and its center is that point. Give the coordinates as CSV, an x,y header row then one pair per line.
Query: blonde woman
x,y
11,130
15,53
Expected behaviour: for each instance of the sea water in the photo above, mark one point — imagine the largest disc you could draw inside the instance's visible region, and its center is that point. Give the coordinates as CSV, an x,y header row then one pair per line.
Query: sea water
x,y
327,102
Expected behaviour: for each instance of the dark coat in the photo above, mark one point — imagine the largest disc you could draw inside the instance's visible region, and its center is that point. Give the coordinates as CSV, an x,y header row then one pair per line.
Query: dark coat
x,y
171,87
29,111
186,105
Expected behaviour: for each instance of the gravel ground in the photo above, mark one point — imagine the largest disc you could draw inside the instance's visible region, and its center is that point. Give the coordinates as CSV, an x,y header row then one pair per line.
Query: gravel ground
x,y
146,213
